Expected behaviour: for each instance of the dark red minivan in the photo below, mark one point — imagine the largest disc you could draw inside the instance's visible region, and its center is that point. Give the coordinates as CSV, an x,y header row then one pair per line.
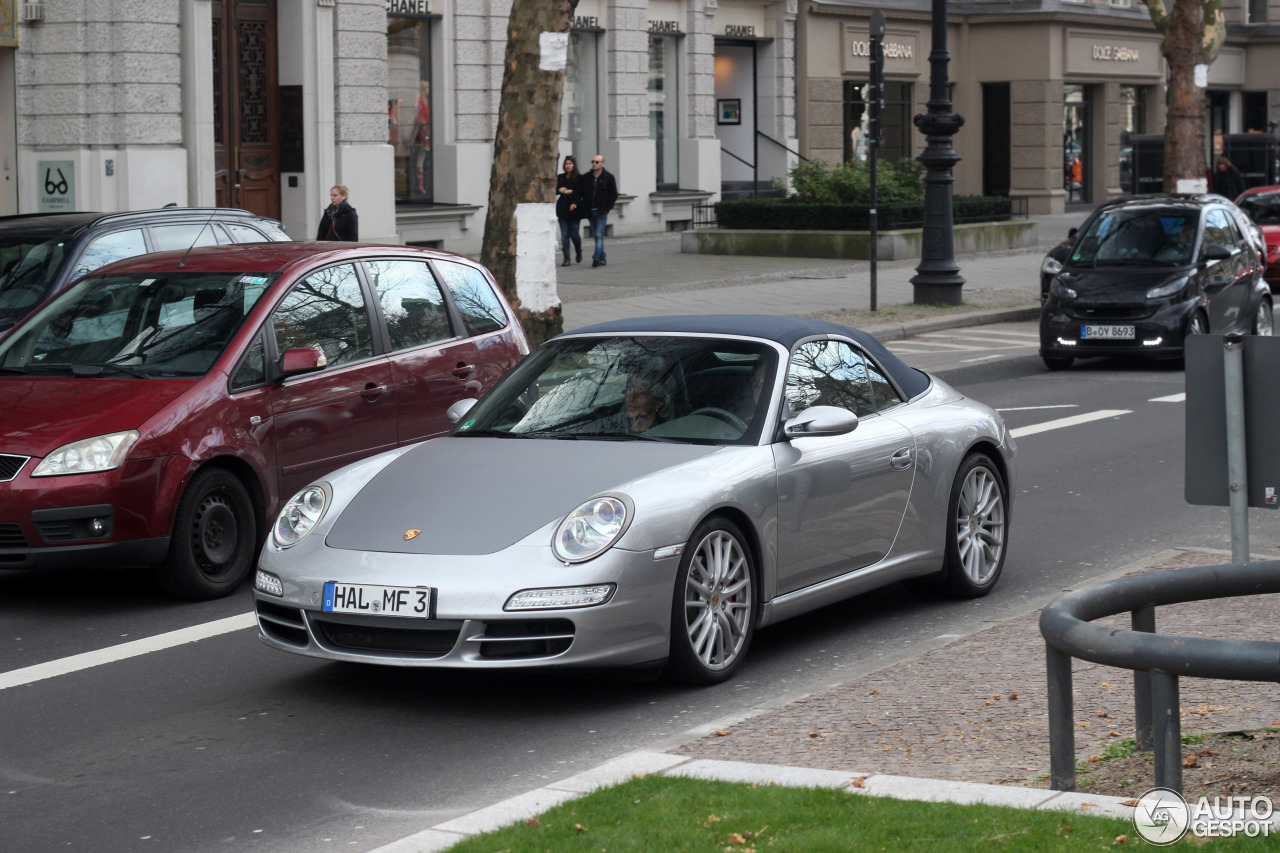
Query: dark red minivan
x,y
158,411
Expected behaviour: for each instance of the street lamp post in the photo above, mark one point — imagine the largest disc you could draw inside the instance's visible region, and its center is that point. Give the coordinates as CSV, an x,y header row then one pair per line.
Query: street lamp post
x,y
938,278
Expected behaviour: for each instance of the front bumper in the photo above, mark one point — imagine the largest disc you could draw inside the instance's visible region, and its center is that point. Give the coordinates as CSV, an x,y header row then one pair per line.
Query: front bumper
x,y
1161,334
469,628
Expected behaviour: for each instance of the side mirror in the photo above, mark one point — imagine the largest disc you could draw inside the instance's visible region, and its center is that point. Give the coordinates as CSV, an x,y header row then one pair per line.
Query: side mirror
x,y
301,360
459,410
821,420
1071,233
1217,253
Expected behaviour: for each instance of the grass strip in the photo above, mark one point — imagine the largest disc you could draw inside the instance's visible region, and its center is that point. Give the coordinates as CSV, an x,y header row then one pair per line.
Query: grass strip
x,y
674,815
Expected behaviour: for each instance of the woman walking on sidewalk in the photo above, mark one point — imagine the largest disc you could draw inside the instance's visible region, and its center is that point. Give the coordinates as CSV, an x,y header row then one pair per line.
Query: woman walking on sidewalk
x,y
569,207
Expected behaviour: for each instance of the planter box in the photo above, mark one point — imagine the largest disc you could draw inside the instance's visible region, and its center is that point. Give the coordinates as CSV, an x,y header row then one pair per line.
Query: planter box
x,y
970,238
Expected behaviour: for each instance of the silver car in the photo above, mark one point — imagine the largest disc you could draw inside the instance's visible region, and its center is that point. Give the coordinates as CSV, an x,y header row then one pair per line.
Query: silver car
x,y
646,493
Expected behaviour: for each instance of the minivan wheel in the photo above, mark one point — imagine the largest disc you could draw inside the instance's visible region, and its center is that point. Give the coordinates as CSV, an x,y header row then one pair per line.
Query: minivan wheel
x,y
1263,320
214,538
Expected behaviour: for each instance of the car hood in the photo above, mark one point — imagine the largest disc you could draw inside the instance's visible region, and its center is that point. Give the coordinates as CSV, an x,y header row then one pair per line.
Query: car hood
x,y
1119,284
481,495
42,414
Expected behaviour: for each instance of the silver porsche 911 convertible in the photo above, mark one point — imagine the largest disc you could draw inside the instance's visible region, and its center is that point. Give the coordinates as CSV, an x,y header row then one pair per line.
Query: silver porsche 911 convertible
x,y
646,493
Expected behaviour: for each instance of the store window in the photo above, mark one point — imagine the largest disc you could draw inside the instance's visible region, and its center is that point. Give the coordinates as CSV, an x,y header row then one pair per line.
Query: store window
x,y
664,123
895,121
579,117
1132,120
1255,12
1254,117
1075,134
409,108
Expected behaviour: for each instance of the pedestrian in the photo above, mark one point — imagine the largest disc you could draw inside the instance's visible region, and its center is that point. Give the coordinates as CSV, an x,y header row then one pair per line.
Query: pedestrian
x,y
339,222
599,193
569,207
1227,180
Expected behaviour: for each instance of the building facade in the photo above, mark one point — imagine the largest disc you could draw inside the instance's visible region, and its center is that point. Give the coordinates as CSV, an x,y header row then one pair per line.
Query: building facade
x,y
265,104
1051,91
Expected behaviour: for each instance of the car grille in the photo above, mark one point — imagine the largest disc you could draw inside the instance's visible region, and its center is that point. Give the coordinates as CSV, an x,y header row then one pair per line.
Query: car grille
x,y
10,465
11,535
57,531
525,638
283,624
1112,312
410,639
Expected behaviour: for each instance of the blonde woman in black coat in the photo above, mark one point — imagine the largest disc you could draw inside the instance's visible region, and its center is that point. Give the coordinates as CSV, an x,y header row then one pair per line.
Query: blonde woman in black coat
x,y
339,222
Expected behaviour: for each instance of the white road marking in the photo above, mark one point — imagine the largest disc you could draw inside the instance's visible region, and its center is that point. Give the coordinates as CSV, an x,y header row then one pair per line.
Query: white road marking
x,y
979,358
1074,420
1004,342
1034,336
1172,398
1035,408
943,346
124,651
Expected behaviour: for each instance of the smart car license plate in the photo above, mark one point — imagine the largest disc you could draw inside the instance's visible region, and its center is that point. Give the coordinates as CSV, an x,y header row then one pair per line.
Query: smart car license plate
x,y
1107,332
376,600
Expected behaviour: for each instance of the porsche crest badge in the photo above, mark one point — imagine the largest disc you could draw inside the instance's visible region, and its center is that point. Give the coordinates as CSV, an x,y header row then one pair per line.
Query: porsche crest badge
x,y
410,534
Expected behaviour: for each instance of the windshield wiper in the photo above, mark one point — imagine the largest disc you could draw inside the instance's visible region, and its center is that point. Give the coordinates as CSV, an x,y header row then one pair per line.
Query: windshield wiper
x,y
493,433
21,370
99,369
633,436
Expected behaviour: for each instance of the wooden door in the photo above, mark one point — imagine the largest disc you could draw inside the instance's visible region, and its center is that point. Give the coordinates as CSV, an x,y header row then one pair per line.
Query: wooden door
x,y
246,153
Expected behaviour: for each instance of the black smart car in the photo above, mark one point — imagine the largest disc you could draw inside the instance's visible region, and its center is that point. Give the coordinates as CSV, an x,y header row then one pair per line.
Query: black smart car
x,y
42,253
1145,272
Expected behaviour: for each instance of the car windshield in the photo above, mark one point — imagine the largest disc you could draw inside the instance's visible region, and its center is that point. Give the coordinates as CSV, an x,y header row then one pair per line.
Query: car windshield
x,y
1262,208
689,389
140,324
28,265
1138,237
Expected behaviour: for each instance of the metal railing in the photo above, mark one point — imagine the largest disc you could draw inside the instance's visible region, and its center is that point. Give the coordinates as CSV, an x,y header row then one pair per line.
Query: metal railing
x,y
1157,661
782,146
704,215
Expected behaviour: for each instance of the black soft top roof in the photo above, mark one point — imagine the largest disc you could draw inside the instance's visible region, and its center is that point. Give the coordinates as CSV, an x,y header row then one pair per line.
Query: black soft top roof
x,y
786,331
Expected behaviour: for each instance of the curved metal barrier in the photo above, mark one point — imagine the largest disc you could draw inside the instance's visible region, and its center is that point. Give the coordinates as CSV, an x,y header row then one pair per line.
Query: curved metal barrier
x,y
1158,661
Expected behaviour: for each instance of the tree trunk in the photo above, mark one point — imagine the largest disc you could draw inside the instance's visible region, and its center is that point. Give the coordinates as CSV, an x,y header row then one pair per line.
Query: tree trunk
x,y
526,146
1184,126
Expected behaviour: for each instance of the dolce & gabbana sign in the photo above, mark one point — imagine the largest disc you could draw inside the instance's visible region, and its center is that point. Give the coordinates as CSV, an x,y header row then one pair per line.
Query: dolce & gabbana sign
x,y
1112,54
901,50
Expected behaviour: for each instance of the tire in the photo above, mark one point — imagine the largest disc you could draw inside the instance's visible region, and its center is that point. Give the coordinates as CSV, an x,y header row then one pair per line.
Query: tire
x,y
1058,362
977,529
1197,325
214,538
717,560
1263,319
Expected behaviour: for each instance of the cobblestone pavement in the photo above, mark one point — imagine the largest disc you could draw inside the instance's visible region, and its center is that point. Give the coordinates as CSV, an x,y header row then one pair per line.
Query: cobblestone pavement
x,y
976,709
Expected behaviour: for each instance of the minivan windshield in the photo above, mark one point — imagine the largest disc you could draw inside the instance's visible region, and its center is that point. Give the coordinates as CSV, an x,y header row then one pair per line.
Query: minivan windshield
x,y
1138,237
136,324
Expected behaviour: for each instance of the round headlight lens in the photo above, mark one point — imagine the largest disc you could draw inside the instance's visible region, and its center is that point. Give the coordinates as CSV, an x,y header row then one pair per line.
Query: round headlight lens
x,y
301,514
590,529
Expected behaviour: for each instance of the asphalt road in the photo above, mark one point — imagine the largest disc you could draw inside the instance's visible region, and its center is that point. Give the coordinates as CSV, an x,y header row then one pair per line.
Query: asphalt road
x,y
224,744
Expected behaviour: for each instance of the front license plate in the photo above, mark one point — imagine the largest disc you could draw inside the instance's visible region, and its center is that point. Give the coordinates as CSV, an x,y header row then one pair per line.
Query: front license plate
x,y
371,599
1108,332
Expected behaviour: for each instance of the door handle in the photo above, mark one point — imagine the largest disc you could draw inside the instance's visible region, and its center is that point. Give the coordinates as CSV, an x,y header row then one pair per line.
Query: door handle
x,y
373,391
463,370
901,459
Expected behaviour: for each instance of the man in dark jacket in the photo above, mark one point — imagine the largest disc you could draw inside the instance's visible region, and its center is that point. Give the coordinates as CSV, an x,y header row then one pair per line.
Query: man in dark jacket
x,y
339,221
599,194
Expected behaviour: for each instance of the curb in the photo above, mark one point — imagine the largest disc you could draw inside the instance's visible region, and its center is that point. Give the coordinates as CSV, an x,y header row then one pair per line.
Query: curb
x,y
901,331
442,836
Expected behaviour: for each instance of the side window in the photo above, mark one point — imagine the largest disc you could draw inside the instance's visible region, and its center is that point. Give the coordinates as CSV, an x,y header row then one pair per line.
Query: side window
x,y
252,370
1217,229
829,373
326,310
245,234
480,307
182,237
411,303
885,395
110,247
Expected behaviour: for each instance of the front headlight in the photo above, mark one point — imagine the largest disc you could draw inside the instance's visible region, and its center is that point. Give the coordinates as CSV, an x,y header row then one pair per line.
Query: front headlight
x,y
90,456
590,529
1061,291
1166,289
301,514
1050,265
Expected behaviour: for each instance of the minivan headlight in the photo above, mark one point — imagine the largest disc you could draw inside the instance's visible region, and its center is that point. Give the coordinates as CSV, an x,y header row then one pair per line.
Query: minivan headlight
x,y
1061,291
590,529
301,514
88,456
1050,265
1166,289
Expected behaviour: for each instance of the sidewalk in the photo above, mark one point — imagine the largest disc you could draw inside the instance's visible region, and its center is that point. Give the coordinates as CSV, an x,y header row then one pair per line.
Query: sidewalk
x,y
965,722
649,276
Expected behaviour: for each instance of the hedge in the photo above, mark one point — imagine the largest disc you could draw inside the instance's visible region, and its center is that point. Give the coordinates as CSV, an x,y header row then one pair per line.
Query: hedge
x,y
780,214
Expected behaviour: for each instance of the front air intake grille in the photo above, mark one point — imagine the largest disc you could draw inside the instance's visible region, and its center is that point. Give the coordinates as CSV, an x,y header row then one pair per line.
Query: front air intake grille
x,y
411,639
11,535
10,465
1113,313
525,638
283,624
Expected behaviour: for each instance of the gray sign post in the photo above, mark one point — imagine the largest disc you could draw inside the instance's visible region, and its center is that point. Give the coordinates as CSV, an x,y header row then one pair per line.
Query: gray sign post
x,y
1233,406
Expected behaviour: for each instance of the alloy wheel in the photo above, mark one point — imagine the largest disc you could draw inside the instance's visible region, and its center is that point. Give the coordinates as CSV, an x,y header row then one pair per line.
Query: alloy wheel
x,y
1263,322
718,600
980,528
